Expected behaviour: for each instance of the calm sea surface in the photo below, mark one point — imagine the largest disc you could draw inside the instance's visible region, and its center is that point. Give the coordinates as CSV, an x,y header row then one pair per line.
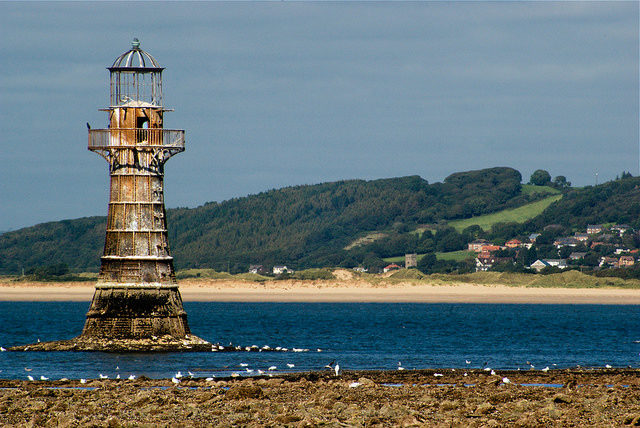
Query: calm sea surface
x,y
357,336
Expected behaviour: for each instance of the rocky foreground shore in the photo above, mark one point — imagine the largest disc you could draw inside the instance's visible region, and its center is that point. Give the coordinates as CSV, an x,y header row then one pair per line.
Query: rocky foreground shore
x,y
576,397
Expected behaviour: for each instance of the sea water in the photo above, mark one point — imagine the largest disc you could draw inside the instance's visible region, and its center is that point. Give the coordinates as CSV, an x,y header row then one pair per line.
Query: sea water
x,y
355,335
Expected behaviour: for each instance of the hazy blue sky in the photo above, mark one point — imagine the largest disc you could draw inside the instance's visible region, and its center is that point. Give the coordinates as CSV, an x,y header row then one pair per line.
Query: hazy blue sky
x,y
278,94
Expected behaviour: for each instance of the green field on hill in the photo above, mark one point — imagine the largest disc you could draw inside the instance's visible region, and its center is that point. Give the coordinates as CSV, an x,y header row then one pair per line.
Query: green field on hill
x,y
517,215
452,255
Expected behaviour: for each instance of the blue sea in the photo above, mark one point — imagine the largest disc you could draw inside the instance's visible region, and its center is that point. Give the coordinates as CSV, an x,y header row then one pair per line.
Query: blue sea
x,y
356,335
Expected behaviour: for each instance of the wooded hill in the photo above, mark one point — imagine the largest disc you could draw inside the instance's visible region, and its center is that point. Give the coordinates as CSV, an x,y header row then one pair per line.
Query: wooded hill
x,y
310,226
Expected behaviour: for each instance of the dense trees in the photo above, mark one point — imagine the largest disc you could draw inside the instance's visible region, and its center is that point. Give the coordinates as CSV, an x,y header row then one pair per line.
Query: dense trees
x,y
540,177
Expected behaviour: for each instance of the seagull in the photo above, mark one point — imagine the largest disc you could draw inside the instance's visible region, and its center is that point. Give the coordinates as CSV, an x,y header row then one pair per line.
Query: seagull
x,y
234,374
290,365
209,379
44,378
249,370
178,375
118,376
467,361
117,367
493,372
354,384
438,374
27,370
190,374
101,376
30,377
83,381
330,365
243,364
174,380
546,369
272,368
131,377
2,349
337,369
261,372
400,366
608,366
505,380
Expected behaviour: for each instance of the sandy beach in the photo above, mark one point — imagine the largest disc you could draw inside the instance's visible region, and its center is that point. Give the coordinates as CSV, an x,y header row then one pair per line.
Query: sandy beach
x,y
207,290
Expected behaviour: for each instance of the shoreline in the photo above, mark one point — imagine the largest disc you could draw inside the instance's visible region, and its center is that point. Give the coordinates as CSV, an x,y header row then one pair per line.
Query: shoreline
x,y
338,291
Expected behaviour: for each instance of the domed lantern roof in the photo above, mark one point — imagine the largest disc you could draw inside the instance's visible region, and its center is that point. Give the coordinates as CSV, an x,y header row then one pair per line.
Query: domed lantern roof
x,y
135,59
136,79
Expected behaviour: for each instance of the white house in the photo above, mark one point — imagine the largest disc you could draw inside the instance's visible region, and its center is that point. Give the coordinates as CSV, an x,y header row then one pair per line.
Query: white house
x,y
280,269
538,265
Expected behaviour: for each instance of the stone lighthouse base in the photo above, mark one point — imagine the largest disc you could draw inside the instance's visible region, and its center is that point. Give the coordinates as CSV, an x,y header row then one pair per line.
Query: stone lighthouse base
x,y
132,319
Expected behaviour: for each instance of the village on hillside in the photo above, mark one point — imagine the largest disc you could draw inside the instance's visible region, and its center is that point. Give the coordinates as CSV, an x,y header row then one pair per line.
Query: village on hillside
x,y
598,247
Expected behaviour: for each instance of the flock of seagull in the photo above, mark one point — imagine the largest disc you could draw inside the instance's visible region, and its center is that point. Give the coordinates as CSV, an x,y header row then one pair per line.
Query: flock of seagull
x,y
333,366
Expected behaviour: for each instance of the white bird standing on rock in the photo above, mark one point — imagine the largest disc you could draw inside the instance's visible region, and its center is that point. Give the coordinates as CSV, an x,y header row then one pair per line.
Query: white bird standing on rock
x,y
30,377
101,376
546,369
337,369
131,377
178,375
175,381
400,366
272,368
44,378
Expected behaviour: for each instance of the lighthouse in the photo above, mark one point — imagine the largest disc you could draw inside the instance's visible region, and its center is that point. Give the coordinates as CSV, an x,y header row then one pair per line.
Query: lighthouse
x,y
136,296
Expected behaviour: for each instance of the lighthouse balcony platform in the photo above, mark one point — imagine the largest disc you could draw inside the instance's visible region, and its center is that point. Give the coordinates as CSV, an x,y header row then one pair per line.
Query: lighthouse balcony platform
x,y
135,138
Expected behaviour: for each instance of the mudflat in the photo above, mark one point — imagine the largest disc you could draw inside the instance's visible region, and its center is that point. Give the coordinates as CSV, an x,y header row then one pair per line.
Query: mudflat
x,y
572,397
339,290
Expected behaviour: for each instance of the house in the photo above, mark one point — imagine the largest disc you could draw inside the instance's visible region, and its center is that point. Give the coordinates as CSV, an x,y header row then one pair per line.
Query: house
x,y
490,248
539,264
620,228
594,228
608,262
486,261
392,266
410,260
257,269
533,237
567,241
577,256
619,251
280,269
626,261
477,245
582,237
513,243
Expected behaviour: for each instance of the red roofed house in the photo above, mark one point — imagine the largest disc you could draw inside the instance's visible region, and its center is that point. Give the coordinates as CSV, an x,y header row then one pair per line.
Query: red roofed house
x,y
514,243
392,266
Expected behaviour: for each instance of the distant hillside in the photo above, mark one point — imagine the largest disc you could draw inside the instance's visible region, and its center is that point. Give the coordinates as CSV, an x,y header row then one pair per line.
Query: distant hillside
x,y
310,226
303,226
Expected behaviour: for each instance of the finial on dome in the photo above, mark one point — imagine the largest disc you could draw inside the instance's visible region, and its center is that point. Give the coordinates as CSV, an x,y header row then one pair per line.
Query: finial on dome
x,y
135,44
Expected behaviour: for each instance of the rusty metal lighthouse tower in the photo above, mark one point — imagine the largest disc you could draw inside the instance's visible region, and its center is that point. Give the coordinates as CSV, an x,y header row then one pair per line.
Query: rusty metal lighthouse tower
x,y
136,296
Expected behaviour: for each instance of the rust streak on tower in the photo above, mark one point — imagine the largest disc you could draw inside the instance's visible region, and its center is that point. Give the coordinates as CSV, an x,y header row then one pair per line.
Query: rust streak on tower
x,y
136,295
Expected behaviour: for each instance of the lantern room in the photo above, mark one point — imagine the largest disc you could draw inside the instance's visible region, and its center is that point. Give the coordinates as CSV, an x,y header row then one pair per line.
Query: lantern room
x,y
136,79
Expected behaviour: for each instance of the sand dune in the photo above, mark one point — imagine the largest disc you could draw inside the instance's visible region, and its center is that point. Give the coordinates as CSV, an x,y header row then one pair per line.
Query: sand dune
x,y
337,291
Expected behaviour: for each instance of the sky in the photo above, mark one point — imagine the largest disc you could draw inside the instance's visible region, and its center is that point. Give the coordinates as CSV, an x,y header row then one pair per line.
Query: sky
x,y
280,94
